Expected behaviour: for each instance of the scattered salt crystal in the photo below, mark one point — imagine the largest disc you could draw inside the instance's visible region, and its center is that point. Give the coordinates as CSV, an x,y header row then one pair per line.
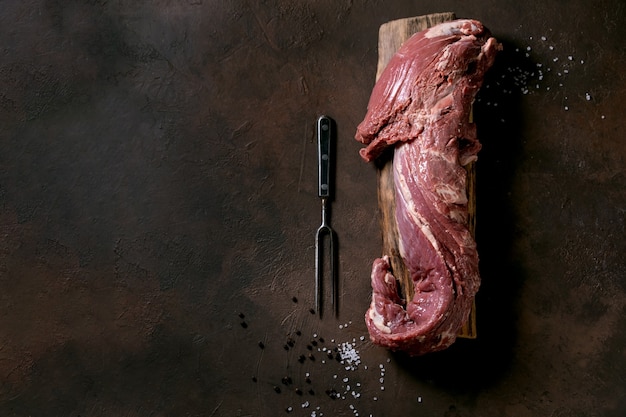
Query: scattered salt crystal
x,y
345,380
555,59
551,47
588,96
340,326
382,380
602,116
382,388
305,404
566,108
528,48
582,62
375,398
362,338
543,38
419,399
571,58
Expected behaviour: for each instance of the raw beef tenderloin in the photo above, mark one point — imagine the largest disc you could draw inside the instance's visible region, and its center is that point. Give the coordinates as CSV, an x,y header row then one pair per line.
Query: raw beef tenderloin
x,y
421,105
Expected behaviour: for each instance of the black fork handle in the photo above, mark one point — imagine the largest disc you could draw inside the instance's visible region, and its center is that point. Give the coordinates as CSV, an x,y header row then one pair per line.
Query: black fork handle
x,y
324,137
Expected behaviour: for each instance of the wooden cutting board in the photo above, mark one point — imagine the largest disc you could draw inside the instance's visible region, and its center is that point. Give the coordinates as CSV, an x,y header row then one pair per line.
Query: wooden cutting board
x,y
391,35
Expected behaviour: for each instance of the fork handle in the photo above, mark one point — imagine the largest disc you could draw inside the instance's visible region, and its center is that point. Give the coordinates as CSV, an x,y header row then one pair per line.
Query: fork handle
x,y
324,136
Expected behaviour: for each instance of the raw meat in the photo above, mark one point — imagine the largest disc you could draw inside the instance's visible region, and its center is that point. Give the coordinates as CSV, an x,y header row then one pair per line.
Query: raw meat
x,y
421,105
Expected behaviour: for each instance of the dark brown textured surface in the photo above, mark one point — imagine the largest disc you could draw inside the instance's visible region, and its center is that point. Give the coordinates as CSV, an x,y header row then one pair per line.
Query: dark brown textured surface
x,y
158,207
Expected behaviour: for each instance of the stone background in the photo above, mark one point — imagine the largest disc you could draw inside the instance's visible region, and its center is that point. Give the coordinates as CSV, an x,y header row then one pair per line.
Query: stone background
x,y
158,202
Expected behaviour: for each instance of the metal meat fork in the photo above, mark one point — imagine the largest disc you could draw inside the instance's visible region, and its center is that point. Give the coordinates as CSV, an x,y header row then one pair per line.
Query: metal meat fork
x,y
324,138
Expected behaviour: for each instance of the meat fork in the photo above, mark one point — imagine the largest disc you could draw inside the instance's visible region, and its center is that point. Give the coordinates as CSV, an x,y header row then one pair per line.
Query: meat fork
x,y
324,151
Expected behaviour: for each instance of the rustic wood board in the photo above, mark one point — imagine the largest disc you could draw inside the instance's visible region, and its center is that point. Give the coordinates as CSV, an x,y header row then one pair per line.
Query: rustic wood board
x,y
391,35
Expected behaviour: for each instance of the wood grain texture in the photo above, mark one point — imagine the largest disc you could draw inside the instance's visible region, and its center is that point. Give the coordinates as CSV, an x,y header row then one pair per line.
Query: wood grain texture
x,y
391,35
